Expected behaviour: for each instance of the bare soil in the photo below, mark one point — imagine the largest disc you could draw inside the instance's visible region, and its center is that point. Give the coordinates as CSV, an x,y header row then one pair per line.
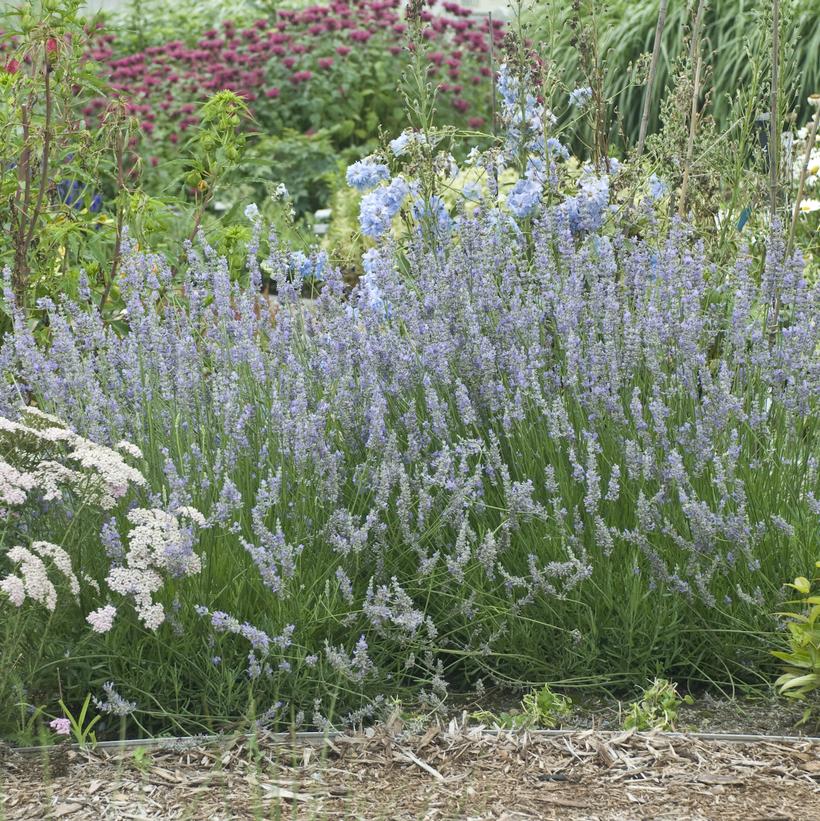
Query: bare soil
x,y
446,773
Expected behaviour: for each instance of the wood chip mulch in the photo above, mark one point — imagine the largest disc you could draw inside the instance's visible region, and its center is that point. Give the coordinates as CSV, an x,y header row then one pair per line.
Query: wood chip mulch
x,y
446,773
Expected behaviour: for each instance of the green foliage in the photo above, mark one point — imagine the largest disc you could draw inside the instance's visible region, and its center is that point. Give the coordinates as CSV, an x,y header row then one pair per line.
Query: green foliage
x,y
51,220
141,759
82,725
802,675
542,709
734,36
657,708
143,23
307,165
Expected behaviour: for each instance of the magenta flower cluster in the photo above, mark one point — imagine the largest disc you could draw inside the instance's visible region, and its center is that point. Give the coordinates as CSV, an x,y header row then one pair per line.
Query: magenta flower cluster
x,y
326,47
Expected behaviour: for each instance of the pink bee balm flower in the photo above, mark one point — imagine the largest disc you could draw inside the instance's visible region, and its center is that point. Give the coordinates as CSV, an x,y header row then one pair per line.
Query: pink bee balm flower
x,y
325,62
272,93
343,51
61,726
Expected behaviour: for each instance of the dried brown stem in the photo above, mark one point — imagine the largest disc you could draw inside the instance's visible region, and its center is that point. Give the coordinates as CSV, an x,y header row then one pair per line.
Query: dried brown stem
x,y
810,141
44,162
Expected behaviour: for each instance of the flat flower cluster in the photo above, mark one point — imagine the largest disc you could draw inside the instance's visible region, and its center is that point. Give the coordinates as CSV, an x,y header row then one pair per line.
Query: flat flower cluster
x,y
49,476
38,453
307,69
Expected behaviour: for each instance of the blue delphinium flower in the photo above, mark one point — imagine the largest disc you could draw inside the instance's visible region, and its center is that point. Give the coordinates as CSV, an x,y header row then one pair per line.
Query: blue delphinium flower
x,y
524,197
432,211
471,191
366,174
580,97
380,206
309,267
523,116
507,86
657,187
555,148
96,204
586,210
399,145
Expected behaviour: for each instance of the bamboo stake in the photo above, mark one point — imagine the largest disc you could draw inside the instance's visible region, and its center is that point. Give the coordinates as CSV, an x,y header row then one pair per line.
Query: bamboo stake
x,y
774,154
492,64
650,81
696,59
774,137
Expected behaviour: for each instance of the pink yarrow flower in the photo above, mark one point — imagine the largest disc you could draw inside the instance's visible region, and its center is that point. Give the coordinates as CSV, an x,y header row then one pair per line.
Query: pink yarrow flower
x,y
61,726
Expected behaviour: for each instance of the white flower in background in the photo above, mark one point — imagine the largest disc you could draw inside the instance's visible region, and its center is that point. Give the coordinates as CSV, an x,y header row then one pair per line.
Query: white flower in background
x,y
809,206
49,460
193,515
157,544
36,413
14,484
34,575
102,619
103,476
61,560
33,581
14,587
129,448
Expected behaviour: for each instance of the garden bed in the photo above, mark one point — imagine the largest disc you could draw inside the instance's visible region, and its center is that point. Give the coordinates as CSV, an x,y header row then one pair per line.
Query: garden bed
x,y
444,773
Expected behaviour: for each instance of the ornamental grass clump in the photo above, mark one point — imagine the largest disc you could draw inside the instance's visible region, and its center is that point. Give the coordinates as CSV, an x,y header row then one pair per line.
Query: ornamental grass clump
x,y
544,448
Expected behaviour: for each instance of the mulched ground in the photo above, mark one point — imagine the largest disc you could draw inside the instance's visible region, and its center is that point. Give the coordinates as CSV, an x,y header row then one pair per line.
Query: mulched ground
x,y
446,773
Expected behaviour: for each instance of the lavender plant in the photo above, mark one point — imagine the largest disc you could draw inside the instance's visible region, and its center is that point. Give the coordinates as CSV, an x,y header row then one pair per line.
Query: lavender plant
x,y
568,454
546,438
